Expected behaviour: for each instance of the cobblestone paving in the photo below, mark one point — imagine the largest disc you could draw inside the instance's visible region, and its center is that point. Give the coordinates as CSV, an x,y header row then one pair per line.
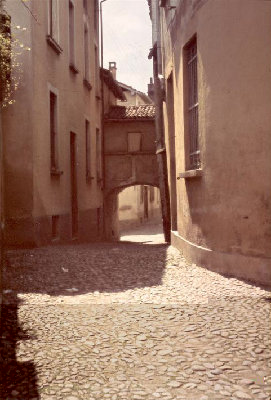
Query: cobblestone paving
x,y
130,321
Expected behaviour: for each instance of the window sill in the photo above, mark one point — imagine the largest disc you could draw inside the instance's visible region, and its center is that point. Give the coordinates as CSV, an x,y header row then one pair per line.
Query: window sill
x,y
87,84
55,46
73,68
56,172
193,173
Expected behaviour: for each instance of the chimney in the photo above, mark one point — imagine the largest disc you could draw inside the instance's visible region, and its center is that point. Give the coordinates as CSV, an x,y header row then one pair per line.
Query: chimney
x,y
113,68
151,89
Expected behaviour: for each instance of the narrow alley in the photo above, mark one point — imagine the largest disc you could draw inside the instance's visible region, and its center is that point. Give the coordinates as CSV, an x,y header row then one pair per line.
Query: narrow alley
x,y
130,320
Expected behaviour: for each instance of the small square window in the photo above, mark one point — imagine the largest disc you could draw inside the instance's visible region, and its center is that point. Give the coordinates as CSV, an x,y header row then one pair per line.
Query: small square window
x,y
134,142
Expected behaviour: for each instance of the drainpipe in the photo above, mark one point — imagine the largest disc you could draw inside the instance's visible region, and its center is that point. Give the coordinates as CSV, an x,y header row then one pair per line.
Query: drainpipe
x,y
159,127
102,120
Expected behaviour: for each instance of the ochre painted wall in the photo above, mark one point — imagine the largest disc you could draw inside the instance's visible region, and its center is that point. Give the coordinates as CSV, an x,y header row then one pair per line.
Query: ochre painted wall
x,y
227,209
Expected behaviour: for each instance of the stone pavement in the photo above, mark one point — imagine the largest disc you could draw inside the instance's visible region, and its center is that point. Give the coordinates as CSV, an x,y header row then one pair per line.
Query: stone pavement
x,y
130,321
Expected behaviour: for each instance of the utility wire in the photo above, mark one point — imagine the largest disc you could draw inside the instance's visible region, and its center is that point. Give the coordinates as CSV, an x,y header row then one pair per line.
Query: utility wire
x,y
26,6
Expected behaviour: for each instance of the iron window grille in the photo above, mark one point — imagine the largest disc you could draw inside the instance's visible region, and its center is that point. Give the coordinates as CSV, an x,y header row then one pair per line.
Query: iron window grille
x,y
193,105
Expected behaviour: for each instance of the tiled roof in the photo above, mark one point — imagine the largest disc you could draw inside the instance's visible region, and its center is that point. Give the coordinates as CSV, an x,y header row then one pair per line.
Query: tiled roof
x,y
146,111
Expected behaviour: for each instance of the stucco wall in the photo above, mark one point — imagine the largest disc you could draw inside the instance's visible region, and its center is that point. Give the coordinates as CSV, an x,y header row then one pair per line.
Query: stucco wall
x,y
124,168
17,126
31,190
227,209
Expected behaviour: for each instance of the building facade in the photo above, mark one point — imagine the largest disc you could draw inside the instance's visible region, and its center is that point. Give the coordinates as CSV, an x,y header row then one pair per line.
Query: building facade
x,y
52,132
130,160
214,57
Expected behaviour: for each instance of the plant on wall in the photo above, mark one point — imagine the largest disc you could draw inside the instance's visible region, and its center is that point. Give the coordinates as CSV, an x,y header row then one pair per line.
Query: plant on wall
x,y
5,56
10,50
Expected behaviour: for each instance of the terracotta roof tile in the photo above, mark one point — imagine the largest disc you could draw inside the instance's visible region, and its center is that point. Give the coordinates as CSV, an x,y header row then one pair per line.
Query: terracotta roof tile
x,y
145,111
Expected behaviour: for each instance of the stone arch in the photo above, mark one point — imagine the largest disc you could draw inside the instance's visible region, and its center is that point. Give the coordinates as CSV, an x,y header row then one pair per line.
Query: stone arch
x,y
111,208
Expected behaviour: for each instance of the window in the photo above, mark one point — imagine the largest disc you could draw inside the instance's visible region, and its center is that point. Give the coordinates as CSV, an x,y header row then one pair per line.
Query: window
x,y
53,20
71,33
86,53
53,26
88,149
85,6
53,131
192,103
98,155
97,70
96,15
134,142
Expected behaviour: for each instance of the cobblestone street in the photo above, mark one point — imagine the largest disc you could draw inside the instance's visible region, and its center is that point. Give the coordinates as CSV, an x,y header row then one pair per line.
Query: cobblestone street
x,y
133,321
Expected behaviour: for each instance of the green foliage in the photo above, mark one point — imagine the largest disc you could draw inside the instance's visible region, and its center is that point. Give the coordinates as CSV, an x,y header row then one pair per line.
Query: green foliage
x,y
5,57
10,50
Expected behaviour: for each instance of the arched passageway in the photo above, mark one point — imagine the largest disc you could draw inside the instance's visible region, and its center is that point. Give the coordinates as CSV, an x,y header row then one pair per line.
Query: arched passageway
x,y
133,207
130,157
139,207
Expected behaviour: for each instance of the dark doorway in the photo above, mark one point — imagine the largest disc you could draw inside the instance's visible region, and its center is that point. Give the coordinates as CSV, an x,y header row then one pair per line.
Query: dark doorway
x,y
74,197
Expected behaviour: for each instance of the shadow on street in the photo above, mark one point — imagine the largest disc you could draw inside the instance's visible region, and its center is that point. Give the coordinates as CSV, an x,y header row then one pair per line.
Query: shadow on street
x,y
19,379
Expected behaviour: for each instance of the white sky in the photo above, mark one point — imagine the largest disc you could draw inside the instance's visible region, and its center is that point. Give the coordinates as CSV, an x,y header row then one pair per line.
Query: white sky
x,y
127,40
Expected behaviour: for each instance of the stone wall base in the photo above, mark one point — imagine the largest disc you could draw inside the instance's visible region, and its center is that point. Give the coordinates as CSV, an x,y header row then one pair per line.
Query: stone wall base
x,y
254,269
35,232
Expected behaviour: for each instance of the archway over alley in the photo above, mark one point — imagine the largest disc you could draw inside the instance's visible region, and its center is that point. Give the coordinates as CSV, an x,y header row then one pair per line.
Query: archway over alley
x,y
130,156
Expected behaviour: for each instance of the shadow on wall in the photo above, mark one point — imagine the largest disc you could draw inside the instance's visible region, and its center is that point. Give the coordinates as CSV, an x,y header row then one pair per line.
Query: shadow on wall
x,y
19,379
81,269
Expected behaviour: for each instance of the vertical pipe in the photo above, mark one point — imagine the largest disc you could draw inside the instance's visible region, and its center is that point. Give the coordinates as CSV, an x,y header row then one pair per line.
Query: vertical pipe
x,y
102,116
159,127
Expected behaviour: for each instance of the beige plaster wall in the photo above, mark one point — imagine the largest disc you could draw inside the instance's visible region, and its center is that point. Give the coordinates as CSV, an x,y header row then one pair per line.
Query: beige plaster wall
x,y
227,209
31,190
125,169
16,120
76,103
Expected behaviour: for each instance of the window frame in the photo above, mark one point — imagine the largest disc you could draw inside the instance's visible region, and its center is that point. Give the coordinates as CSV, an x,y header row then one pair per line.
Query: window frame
x,y
53,36
191,105
86,53
53,127
130,135
88,149
72,40
98,156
